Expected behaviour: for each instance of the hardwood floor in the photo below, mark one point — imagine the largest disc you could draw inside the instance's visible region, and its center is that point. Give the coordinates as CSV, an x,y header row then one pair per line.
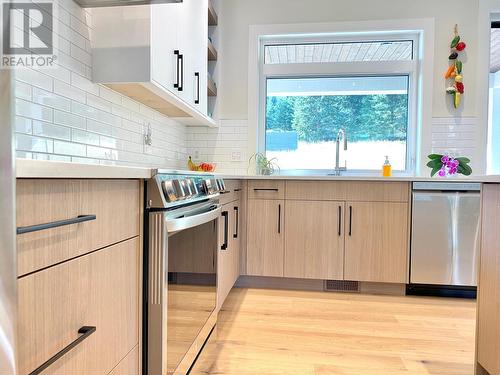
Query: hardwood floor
x,y
268,332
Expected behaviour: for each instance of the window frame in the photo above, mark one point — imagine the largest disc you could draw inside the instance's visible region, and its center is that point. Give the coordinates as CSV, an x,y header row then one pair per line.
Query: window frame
x,y
343,69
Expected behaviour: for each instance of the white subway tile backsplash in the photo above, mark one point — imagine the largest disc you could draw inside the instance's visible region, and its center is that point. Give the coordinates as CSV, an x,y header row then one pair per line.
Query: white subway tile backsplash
x,y
49,130
30,143
95,114
72,64
69,119
80,27
33,110
110,95
82,136
99,103
217,145
23,125
23,90
130,104
84,84
62,115
69,91
58,72
70,148
50,99
34,78
99,127
80,54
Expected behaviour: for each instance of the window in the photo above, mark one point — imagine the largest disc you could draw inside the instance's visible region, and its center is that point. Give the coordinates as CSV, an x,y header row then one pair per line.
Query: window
x,y
311,89
493,162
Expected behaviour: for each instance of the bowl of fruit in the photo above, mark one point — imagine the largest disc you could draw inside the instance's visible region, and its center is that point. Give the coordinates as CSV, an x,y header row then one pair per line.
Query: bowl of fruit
x,y
201,167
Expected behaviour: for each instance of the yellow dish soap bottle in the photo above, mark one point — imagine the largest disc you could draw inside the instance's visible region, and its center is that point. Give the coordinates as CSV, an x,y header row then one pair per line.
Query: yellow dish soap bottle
x,y
387,168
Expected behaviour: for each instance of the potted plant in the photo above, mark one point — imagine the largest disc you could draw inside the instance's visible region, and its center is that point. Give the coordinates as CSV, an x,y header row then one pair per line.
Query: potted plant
x,y
264,165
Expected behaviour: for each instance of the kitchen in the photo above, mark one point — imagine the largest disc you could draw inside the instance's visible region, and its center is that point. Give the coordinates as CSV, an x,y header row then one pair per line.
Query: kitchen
x,y
282,220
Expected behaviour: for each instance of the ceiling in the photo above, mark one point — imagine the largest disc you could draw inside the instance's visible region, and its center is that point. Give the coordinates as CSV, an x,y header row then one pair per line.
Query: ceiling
x,y
495,51
338,52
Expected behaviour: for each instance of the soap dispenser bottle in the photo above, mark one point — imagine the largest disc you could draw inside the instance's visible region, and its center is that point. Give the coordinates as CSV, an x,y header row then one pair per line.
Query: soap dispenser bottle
x,y
387,168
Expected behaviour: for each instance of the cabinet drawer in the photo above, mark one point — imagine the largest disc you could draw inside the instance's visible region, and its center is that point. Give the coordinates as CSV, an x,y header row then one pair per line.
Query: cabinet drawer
x,y
115,204
129,365
99,289
233,191
316,190
366,191
266,189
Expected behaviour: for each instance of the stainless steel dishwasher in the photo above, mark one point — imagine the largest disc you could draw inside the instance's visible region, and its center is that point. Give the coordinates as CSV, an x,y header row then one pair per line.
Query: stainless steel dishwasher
x,y
445,235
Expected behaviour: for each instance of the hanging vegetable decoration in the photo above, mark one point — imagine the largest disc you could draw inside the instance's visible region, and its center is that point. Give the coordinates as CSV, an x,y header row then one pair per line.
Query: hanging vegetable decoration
x,y
454,71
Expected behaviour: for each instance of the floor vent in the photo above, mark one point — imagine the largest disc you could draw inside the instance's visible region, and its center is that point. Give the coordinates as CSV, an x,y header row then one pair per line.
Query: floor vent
x,y
341,286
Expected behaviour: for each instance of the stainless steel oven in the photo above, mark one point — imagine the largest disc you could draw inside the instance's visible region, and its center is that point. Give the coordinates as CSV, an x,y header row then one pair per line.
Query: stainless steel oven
x,y
182,212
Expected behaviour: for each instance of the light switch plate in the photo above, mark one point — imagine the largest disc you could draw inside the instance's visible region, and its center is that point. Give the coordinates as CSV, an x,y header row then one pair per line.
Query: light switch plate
x,y
236,155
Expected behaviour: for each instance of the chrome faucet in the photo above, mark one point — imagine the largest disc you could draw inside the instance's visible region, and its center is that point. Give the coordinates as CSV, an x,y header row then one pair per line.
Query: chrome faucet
x,y
341,136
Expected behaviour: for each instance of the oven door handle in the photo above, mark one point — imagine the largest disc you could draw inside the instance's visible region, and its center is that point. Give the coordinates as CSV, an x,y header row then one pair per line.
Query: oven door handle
x,y
175,225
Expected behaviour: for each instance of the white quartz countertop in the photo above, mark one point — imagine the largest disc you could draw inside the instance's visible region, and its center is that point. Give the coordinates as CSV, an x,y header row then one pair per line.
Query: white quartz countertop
x,y
26,168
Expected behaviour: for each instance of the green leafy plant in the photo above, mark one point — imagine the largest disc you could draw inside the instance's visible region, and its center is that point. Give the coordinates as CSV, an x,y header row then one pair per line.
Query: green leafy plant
x,y
446,165
264,165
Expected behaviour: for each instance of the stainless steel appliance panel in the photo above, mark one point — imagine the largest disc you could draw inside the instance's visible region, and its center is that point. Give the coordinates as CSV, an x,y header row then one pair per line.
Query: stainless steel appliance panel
x,y
445,238
8,293
182,279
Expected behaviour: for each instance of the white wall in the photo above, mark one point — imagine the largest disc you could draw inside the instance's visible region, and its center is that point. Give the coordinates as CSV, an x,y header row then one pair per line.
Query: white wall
x,y
452,130
62,115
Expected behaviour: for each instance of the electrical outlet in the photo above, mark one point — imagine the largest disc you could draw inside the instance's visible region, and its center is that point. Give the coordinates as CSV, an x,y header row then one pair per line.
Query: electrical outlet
x,y
196,154
235,155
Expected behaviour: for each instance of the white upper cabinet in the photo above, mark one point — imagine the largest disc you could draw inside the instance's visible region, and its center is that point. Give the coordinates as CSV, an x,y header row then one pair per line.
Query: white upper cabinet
x,y
157,55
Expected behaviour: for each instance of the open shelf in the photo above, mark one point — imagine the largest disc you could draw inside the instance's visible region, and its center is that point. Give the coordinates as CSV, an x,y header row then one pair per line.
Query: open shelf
x,y
212,52
211,88
212,16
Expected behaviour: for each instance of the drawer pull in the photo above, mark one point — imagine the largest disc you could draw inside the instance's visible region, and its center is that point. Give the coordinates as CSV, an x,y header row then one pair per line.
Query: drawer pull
x,y
263,189
224,192
226,229
55,224
85,332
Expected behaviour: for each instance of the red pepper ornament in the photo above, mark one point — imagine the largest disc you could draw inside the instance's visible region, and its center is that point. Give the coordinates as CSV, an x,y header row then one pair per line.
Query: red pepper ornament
x,y
461,46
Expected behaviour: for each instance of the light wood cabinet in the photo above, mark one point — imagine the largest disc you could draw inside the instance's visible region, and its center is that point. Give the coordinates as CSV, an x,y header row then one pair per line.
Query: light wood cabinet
x,y
266,189
115,204
488,333
228,269
265,238
314,240
129,365
99,289
376,242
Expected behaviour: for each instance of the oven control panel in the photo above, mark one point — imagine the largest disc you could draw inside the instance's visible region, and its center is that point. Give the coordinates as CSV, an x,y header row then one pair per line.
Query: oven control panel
x,y
173,189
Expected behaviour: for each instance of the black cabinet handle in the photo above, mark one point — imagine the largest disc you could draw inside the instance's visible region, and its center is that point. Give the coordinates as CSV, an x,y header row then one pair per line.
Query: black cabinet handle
x,y
55,224
350,220
340,221
178,71
85,332
224,192
181,84
197,100
225,214
279,218
236,190
263,189
237,212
